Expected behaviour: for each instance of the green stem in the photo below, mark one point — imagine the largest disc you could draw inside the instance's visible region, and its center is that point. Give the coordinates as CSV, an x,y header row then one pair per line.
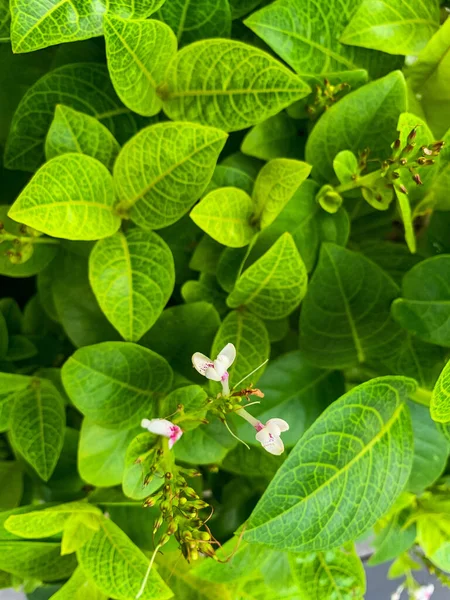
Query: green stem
x,y
27,240
421,396
248,417
365,181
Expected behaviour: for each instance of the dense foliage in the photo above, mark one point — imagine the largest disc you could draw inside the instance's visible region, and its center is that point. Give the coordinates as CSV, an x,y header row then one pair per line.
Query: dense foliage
x,y
245,180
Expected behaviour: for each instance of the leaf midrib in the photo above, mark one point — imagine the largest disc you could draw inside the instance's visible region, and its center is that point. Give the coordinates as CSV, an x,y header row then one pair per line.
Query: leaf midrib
x,y
377,438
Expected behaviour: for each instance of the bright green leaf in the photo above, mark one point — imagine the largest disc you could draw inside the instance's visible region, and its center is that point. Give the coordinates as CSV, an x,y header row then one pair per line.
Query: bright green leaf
x,y
85,87
37,426
275,284
116,384
128,9
117,567
249,335
406,216
228,84
246,559
38,560
78,529
394,539
10,382
275,185
345,317
330,575
132,275
424,308
73,131
364,118
78,587
101,453
192,21
323,494
138,54
345,165
403,29
225,214
164,169
440,400
61,205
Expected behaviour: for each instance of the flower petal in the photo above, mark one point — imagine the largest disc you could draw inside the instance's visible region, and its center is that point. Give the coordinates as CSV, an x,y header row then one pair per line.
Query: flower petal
x,y
424,593
280,423
272,443
177,432
201,363
158,426
227,355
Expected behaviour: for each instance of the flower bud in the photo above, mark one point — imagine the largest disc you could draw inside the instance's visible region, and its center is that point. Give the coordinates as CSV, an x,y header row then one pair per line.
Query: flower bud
x,y
193,555
412,134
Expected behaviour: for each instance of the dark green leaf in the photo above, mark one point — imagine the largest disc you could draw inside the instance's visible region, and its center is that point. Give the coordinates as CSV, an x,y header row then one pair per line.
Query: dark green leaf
x,y
207,444
276,137
11,484
38,560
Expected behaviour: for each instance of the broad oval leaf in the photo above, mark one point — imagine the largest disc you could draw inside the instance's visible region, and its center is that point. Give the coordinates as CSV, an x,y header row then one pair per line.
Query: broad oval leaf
x,y
192,21
61,205
404,29
116,384
345,318
276,137
36,560
207,444
225,176
10,382
337,573
78,587
37,425
309,43
225,214
85,87
132,275
73,131
101,453
295,391
118,567
440,399
275,185
138,54
364,118
343,475
228,84
129,9
249,334
275,284
424,308
163,170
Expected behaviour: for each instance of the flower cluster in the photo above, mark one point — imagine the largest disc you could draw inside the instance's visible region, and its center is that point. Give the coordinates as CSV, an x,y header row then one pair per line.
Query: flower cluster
x,y
420,593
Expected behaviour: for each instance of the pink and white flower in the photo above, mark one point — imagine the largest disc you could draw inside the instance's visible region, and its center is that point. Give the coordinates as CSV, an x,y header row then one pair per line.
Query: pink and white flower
x,y
424,593
216,370
268,435
163,427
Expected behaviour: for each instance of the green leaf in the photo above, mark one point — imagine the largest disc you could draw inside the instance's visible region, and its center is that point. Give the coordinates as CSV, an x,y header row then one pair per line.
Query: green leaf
x,y
406,216
20,348
275,284
249,335
329,575
424,308
11,484
364,118
207,444
192,21
182,330
51,23
295,391
5,21
393,540
206,255
78,587
309,44
276,137
76,307
332,488
228,84
345,165
85,87
431,450
117,567
73,131
136,471
78,529
10,382
182,237
163,170
395,259
429,82
35,560
240,8
37,426
440,399
101,453
138,54
193,399
205,289
116,384
132,276
230,265
58,204
404,29
13,315
275,185
225,176
257,463
246,559
345,317
44,250
225,214
47,522
128,9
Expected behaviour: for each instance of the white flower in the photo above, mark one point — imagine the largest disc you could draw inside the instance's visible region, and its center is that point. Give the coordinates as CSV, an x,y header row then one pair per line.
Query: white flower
x,y
424,593
269,435
163,427
217,370
398,592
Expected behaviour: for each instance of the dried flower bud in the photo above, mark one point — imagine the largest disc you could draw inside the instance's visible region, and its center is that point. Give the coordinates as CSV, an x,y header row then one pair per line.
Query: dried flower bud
x,y
397,144
417,179
412,134
421,160
403,189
